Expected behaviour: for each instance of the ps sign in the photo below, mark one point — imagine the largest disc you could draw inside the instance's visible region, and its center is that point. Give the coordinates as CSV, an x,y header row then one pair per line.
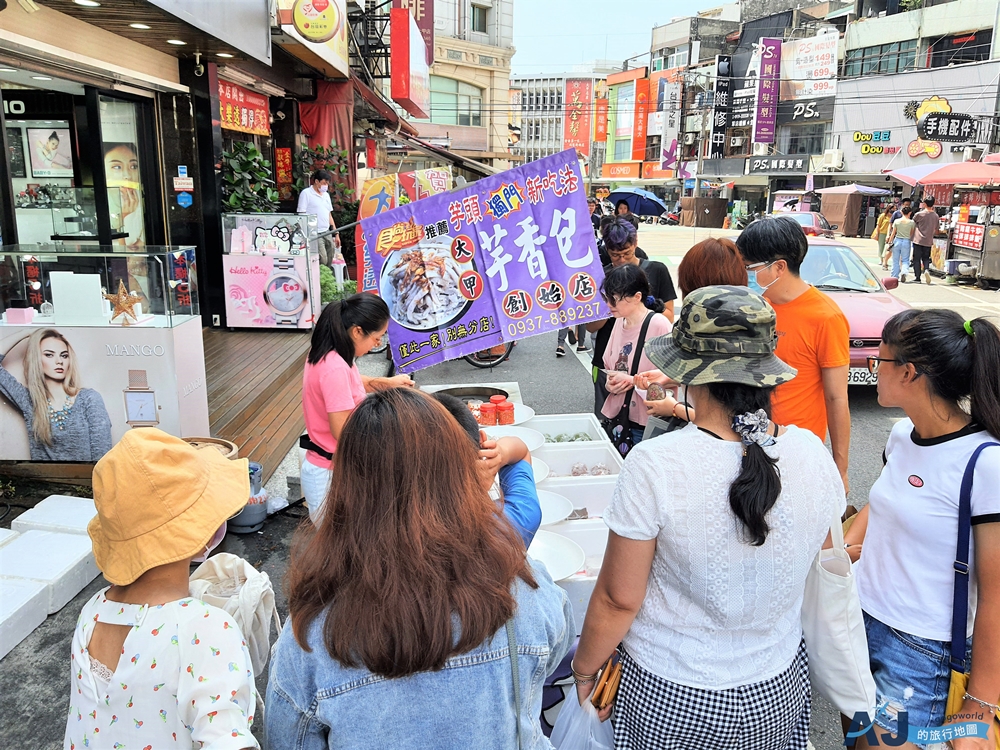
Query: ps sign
x,y
954,127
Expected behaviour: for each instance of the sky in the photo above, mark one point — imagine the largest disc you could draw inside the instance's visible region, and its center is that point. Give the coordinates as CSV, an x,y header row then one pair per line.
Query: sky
x,y
552,36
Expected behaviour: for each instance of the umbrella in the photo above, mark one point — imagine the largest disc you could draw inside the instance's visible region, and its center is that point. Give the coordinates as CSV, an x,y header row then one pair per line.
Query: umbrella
x,y
854,188
956,173
640,202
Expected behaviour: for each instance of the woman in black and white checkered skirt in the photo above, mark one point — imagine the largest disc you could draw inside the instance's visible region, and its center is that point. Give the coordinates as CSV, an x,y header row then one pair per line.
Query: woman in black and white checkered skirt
x,y
713,530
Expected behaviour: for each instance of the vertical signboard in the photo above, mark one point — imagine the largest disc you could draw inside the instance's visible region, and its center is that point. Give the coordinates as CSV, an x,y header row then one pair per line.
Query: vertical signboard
x,y
624,110
423,15
411,79
576,127
601,120
671,125
513,119
768,86
640,120
723,102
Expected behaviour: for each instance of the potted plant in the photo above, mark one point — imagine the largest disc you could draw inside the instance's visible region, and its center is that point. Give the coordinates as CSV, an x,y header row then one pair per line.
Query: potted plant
x,y
247,186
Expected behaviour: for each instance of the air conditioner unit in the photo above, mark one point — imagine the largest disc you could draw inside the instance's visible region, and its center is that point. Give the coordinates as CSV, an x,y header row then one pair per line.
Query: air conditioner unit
x,y
736,141
761,149
689,139
971,153
833,160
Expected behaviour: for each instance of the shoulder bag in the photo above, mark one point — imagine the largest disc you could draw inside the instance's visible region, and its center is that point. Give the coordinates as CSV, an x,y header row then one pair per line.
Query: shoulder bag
x,y
619,427
960,610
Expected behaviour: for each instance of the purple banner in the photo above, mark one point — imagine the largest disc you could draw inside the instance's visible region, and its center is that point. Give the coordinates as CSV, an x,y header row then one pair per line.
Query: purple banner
x,y
510,256
768,90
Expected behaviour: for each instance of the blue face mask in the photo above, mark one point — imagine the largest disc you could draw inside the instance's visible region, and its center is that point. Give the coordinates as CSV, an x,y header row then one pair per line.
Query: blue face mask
x,y
752,282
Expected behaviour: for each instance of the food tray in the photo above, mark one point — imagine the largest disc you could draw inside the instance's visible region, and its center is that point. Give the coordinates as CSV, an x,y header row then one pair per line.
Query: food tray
x,y
592,536
561,457
590,493
569,424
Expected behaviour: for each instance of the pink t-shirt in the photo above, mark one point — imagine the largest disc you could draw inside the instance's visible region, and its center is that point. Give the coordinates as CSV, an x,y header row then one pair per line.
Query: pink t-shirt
x,y
328,386
619,355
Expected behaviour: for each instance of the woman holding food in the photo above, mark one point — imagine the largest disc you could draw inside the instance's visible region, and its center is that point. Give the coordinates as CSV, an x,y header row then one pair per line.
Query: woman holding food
x,y
626,291
332,385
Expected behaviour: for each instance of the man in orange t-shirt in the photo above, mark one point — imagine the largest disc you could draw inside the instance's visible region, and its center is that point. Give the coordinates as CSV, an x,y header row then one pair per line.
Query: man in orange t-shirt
x,y
813,335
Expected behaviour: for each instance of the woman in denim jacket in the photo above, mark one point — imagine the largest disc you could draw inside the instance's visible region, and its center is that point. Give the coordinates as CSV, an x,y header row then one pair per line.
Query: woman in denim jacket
x,y
400,597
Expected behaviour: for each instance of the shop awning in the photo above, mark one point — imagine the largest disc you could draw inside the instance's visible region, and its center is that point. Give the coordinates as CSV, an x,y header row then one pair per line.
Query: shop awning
x,y
382,108
471,165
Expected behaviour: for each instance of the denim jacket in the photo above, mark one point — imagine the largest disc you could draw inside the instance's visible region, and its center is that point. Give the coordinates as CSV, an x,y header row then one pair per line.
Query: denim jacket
x,y
314,702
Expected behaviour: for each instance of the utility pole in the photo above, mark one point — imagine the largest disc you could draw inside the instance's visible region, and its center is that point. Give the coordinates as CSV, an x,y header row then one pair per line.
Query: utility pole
x,y
699,79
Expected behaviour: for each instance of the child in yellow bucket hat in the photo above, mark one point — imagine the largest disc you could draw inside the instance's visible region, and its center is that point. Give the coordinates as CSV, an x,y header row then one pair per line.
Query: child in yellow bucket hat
x,y
152,666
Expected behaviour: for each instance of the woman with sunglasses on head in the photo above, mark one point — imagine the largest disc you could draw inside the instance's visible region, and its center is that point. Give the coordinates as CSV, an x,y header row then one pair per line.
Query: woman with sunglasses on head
x,y
944,373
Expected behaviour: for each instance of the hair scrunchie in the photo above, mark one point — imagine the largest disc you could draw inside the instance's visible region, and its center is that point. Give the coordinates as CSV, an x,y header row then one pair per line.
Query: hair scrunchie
x,y
650,300
968,328
752,428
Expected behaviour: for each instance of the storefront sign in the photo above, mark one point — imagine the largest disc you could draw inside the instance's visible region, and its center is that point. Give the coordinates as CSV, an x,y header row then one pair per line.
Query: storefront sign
x,y
954,127
671,125
805,111
243,110
319,24
511,256
942,194
423,14
651,171
767,91
723,100
772,165
316,20
809,67
875,142
576,129
411,78
968,235
639,121
621,170
283,178
601,120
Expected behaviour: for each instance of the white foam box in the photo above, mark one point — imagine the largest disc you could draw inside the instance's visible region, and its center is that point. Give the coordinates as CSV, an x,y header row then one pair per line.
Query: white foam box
x,y
23,607
63,562
592,535
62,513
561,457
592,493
551,425
7,535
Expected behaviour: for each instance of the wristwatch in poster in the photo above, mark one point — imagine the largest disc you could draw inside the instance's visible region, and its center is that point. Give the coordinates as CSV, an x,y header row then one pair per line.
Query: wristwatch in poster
x,y
285,294
140,401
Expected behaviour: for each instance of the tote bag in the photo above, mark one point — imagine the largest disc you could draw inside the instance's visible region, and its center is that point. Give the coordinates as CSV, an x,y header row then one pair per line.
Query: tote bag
x,y
834,631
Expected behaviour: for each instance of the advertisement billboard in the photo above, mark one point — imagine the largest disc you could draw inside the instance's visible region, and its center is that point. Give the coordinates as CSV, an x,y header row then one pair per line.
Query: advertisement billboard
x,y
768,90
722,102
640,120
577,124
243,110
601,120
411,76
624,109
809,67
320,26
671,124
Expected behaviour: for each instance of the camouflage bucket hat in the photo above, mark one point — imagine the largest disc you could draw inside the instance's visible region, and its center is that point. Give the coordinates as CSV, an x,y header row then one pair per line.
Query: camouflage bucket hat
x,y
725,334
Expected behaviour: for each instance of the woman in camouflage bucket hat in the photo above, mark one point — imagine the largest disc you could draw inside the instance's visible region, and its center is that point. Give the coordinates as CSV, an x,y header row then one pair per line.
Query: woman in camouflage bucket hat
x,y
709,548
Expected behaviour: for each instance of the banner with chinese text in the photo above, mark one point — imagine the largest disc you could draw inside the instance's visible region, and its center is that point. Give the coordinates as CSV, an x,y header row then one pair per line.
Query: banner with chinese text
x,y
243,110
579,98
639,122
511,256
768,89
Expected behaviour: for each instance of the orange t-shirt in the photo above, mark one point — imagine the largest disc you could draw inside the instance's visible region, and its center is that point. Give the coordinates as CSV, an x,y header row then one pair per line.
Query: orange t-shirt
x,y
813,334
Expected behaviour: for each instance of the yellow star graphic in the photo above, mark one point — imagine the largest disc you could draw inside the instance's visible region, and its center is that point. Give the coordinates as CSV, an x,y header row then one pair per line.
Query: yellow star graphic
x,y
123,303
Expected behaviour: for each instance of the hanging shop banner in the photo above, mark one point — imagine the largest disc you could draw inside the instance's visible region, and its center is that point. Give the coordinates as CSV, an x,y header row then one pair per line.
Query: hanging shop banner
x,y
601,120
243,110
283,177
511,256
579,98
809,67
513,119
671,125
423,13
767,91
411,77
386,193
640,120
723,101
321,27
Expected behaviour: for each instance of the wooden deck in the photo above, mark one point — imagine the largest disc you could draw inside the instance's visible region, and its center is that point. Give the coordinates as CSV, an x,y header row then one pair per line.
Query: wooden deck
x,y
255,391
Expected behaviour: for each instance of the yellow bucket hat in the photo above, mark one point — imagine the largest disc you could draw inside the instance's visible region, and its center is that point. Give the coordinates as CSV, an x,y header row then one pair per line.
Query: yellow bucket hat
x,y
159,500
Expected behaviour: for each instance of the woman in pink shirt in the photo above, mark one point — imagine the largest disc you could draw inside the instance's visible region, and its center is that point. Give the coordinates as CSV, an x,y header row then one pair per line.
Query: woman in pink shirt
x,y
626,291
332,384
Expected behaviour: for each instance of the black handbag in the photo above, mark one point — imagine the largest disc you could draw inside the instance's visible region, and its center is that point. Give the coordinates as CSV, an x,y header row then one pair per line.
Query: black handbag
x,y
619,427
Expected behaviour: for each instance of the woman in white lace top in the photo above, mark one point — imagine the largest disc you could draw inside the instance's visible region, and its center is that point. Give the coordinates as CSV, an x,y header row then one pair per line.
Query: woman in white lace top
x,y
713,530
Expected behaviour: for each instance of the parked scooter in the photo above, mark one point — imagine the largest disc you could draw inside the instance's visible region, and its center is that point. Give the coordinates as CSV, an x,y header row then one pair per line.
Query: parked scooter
x,y
670,219
744,221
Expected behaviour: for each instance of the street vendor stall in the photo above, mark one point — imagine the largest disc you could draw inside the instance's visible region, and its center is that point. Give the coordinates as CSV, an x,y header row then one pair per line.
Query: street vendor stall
x,y
851,206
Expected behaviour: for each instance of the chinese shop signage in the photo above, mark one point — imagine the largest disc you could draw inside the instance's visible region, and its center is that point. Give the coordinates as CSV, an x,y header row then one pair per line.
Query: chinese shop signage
x,y
952,127
509,257
768,86
423,14
723,101
968,235
243,110
579,100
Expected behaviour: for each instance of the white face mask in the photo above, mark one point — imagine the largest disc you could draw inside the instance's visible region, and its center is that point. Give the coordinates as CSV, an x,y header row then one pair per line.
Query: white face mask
x,y
214,542
324,188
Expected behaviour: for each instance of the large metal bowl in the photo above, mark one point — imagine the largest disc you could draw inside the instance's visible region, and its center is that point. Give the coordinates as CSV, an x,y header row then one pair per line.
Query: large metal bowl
x,y
474,393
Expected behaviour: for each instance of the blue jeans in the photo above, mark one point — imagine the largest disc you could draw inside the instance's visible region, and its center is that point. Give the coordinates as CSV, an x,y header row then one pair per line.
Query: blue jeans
x,y
900,256
637,435
911,674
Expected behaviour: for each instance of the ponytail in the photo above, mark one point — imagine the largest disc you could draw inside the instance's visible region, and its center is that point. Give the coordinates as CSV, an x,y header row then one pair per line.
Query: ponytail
x,y
654,304
333,329
984,385
755,491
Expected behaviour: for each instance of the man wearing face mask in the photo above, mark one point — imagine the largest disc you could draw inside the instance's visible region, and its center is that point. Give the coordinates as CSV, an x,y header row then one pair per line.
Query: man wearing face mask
x,y
813,335
316,200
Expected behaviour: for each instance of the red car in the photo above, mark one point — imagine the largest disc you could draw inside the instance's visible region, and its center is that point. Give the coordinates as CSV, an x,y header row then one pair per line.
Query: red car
x,y
813,223
835,269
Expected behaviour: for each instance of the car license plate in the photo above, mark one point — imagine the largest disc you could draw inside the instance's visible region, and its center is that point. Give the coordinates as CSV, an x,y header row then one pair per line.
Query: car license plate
x,y
861,376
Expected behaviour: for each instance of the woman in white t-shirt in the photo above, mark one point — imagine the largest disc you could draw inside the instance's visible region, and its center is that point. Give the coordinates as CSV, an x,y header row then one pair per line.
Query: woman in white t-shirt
x,y
713,530
931,363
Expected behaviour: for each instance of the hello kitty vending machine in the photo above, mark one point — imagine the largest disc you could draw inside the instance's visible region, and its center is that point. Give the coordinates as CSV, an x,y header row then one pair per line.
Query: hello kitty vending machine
x,y
271,270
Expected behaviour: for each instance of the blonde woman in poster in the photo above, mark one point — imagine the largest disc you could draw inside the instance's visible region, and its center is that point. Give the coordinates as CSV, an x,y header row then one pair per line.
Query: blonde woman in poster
x,y
65,422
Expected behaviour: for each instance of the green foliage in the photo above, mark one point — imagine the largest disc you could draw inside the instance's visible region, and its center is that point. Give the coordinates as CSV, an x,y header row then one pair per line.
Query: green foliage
x,y
347,214
337,162
905,5
328,286
247,186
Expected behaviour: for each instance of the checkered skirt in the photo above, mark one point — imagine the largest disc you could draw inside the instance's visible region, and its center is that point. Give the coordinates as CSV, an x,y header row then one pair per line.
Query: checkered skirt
x,y
652,713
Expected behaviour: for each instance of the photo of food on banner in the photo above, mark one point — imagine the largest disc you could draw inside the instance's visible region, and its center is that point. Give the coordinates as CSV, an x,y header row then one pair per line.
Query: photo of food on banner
x,y
512,255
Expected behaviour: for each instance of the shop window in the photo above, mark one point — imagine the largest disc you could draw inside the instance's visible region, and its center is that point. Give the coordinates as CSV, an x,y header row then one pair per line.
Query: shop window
x,y
803,139
964,48
479,19
623,150
456,103
881,58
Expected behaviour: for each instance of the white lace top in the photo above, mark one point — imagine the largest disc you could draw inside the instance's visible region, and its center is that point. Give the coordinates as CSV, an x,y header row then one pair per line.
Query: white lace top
x,y
719,612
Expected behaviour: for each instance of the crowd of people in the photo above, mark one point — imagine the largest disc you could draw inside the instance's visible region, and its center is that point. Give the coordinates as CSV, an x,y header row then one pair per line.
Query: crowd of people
x,y
415,617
